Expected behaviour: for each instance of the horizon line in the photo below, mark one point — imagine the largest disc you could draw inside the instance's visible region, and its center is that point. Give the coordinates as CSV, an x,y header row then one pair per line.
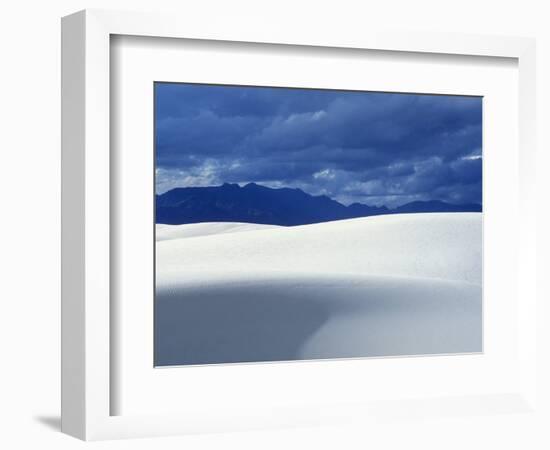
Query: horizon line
x,y
243,185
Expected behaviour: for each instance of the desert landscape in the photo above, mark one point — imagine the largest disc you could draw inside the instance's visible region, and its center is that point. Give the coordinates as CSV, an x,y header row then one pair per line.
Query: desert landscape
x,y
296,223
387,285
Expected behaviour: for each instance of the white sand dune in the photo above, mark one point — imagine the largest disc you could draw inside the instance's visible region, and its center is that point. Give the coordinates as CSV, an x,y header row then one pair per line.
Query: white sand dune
x,y
446,245
168,232
379,286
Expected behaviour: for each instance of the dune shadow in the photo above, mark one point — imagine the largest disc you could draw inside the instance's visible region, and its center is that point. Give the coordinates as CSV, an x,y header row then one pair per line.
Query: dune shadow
x,y
234,324
314,317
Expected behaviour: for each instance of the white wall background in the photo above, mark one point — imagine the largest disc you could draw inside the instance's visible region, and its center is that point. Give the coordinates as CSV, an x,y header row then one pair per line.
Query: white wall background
x,y
29,178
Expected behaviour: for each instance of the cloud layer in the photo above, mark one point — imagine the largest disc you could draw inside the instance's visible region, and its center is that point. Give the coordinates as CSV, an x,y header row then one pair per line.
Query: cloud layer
x,y
373,148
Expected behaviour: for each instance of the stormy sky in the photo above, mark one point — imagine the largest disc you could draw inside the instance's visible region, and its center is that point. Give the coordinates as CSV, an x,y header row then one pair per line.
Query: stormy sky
x,y
373,148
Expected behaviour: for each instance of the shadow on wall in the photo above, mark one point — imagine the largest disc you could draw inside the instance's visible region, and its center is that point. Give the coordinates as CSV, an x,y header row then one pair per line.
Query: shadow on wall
x,y
51,422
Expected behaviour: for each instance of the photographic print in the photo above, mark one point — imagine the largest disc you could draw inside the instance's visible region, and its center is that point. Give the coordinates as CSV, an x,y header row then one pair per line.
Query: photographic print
x,y
303,224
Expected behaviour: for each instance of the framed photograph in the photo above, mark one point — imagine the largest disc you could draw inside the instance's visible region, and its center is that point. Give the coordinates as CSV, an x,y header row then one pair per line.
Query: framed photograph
x,y
265,228
299,224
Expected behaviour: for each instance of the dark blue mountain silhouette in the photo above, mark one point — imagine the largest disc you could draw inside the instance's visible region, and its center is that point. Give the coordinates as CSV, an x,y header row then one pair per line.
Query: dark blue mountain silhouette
x,y
254,203
436,206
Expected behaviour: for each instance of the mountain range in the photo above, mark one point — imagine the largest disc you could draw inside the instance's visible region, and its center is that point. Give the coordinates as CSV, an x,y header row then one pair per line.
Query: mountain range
x,y
254,203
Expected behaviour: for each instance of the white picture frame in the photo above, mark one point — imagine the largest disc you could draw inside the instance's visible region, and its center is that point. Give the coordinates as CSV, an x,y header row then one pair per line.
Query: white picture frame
x,y
87,326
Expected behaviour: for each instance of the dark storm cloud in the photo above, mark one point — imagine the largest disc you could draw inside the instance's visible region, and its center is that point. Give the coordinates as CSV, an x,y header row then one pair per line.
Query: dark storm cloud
x,y
352,146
